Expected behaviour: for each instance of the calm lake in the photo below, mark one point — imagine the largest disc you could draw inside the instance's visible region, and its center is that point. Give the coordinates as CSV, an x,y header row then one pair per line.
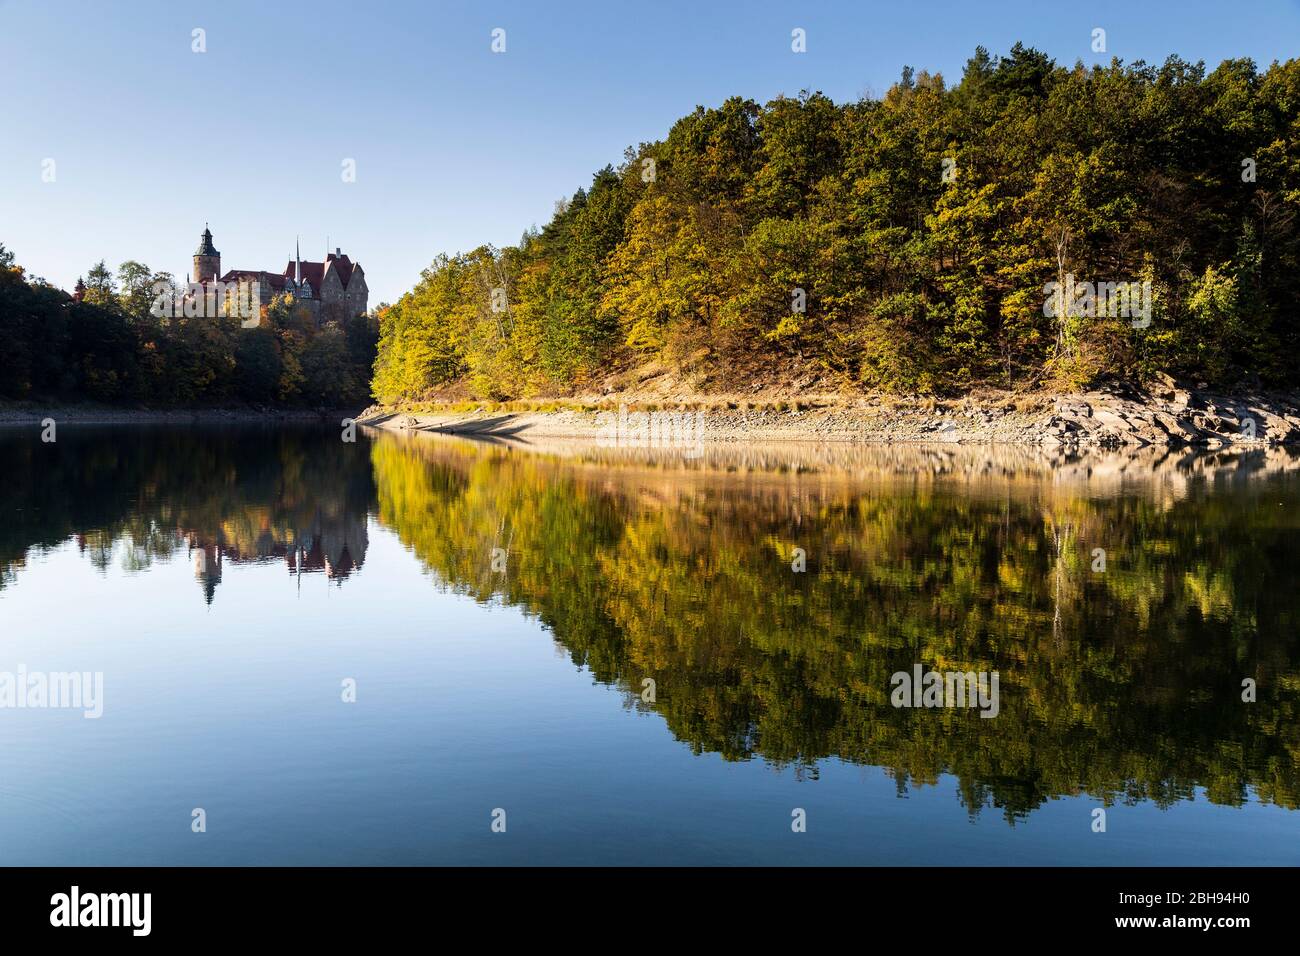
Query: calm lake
x,y
623,651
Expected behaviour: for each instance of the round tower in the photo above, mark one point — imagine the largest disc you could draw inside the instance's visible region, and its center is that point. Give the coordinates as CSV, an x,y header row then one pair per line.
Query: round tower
x,y
207,261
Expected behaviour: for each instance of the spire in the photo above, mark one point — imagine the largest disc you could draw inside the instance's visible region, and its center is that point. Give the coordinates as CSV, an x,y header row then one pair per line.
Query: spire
x,y
205,244
297,263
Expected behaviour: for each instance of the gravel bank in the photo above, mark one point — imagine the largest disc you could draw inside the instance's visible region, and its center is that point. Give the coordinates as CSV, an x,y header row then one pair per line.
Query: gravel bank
x,y
1167,414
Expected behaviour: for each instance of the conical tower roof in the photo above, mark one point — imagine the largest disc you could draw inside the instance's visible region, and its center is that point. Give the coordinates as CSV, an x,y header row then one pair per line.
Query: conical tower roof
x,y
205,244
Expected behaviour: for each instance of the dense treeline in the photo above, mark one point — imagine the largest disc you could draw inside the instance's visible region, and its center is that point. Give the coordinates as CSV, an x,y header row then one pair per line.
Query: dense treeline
x,y
920,231
110,347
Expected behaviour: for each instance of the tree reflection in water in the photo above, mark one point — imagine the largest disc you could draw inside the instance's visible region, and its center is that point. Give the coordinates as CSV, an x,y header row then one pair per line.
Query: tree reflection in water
x,y
1124,684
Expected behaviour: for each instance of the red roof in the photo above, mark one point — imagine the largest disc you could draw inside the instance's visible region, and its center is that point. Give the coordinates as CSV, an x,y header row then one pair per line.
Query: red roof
x,y
344,266
314,272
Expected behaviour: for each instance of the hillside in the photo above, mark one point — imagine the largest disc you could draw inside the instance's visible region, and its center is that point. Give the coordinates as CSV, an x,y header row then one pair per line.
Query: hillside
x,y
906,244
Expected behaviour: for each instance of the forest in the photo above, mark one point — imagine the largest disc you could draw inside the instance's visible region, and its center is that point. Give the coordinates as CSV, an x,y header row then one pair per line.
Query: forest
x,y
110,346
904,243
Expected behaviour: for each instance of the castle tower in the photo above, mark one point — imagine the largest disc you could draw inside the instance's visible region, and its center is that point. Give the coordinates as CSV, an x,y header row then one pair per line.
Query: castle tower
x,y
207,261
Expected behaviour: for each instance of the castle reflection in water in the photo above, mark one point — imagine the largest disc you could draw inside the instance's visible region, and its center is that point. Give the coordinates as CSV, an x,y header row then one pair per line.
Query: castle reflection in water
x,y
215,496
334,544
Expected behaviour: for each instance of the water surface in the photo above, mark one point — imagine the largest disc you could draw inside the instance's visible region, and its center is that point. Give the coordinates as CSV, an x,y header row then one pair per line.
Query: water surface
x,y
501,607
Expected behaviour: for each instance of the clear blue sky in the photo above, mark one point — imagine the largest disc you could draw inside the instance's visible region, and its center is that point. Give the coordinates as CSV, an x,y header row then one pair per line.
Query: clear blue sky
x,y
454,145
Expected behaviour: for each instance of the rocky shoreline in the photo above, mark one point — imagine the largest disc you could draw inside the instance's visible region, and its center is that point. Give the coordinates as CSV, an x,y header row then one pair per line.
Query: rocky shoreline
x,y
1164,414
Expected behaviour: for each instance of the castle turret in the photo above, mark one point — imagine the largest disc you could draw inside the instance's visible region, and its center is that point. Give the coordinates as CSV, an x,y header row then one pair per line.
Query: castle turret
x,y
207,261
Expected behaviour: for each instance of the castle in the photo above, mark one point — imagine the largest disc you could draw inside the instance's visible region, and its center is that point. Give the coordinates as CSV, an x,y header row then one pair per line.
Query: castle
x,y
330,291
